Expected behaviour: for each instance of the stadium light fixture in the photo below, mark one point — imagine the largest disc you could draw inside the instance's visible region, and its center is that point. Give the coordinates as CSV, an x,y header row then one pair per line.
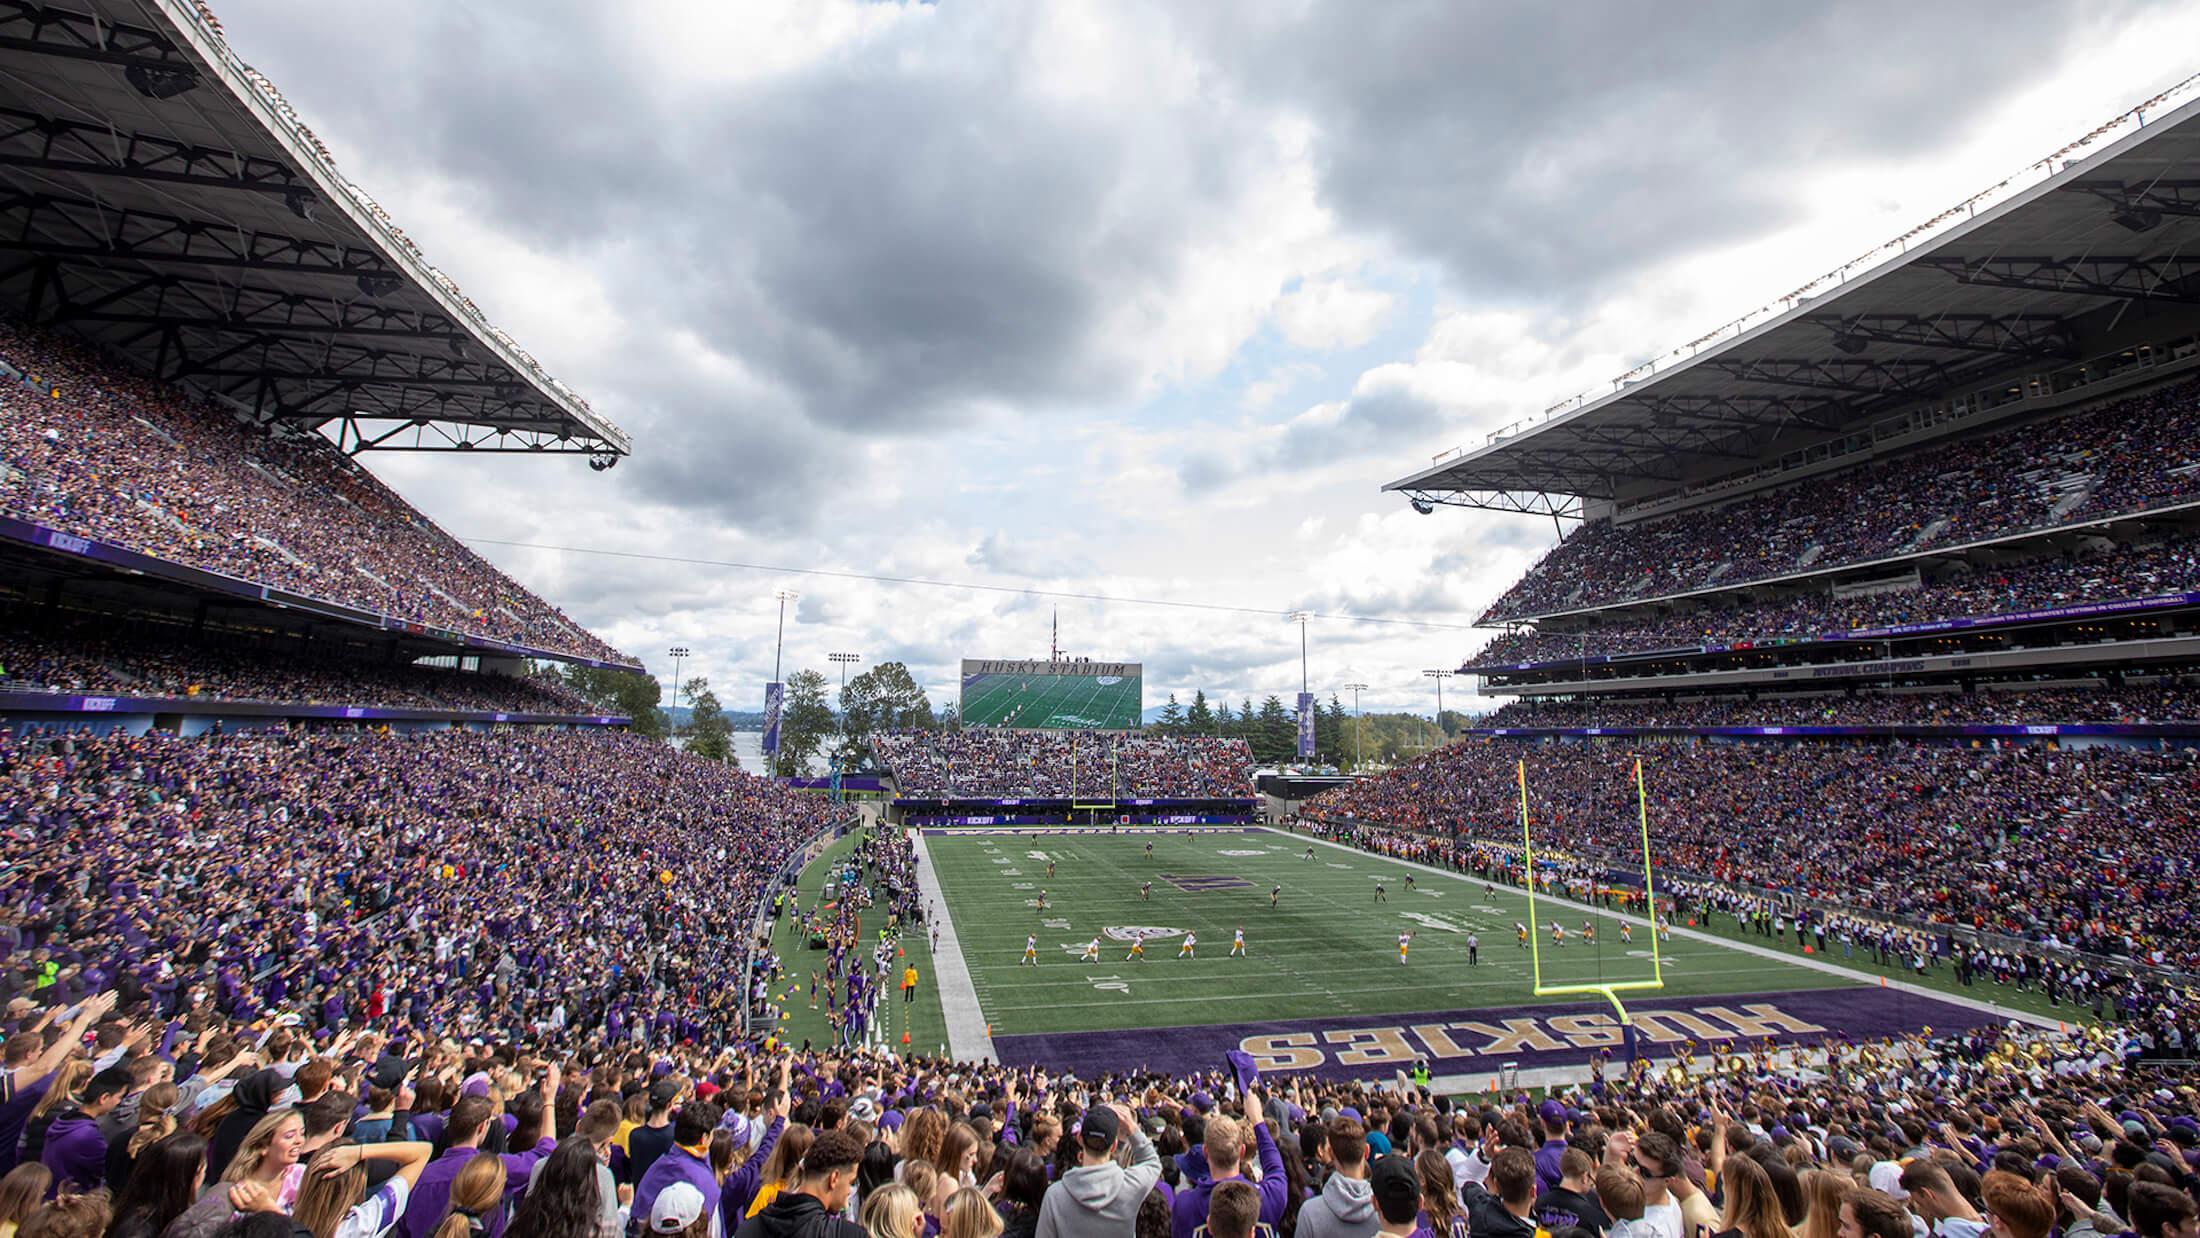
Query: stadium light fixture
x,y
676,653
1423,506
843,659
1439,677
300,202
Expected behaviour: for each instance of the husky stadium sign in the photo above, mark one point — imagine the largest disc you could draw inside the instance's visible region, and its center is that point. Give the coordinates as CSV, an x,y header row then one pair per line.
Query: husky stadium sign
x,y
1481,1041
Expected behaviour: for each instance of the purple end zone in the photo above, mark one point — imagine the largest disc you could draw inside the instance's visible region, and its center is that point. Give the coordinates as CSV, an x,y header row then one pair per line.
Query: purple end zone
x,y
1475,1041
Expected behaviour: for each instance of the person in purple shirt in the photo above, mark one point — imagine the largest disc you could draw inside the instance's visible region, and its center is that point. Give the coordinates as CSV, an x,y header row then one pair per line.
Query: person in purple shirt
x,y
1547,1171
75,1150
26,1073
469,1123
1224,1147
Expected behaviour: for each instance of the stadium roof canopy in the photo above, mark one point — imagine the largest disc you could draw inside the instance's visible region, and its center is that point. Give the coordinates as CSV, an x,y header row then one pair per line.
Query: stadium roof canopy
x,y
1979,290
158,197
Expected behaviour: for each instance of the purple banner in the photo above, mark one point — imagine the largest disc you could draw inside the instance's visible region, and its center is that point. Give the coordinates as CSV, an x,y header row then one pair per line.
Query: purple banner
x,y
1306,725
775,695
1478,1041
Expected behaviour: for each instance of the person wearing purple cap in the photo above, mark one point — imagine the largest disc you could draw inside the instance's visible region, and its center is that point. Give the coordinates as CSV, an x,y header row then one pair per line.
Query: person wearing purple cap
x,y
1547,1170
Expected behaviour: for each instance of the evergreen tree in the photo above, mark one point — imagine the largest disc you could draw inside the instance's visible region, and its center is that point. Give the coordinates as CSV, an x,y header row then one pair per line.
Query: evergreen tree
x,y
1200,719
1172,718
1275,733
1225,721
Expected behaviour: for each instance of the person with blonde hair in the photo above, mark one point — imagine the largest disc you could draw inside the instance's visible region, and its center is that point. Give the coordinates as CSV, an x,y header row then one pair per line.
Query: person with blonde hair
x,y
20,1192
475,1193
1752,1205
968,1214
268,1153
781,1170
1822,1190
333,1201
892,1211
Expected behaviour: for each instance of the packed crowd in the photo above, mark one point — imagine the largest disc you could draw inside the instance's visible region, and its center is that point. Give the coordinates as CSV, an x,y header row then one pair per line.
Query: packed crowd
x,y
129,1121
2162,702
1000,764
2127,455
106,658
90,450
2171,566
571,886
2094,850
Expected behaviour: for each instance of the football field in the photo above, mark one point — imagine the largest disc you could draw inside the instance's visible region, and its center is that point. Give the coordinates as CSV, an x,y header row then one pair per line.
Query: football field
x,y
1321,984
1052,702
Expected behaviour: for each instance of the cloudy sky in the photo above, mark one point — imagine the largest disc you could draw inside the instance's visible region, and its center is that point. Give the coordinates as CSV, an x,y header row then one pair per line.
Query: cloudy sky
x,y
1136,299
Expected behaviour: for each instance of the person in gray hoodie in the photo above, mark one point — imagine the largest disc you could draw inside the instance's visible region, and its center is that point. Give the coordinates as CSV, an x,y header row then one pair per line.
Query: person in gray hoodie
x,y
1346,1206
1099,1198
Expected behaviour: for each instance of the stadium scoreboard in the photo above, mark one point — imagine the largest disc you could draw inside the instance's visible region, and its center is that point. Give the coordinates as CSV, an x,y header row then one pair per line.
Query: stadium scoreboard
x,y
1053,696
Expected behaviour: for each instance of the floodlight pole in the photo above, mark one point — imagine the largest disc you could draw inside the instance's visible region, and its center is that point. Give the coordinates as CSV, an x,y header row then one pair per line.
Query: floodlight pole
x,y
844,659
1439,677
676,653
1302,618
1356,727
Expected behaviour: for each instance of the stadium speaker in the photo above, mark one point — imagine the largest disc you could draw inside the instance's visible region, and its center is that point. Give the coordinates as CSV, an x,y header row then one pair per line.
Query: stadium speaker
x,y
155,82
380,285
1423,506
300,203
2137,218
1850,343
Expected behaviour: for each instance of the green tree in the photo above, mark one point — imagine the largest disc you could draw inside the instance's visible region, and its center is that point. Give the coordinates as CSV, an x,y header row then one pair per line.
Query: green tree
x,y
884,698
707,732
622,692
1275,733
1225,721
1332,733
1247,726
1200,718
1172,718
805,721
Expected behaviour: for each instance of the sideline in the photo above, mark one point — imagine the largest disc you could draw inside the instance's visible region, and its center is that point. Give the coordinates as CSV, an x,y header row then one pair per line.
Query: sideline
x,y
967,1040
1810,961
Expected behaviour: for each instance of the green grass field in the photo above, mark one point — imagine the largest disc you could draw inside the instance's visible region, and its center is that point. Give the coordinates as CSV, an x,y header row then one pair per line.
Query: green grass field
x,y
1327,948
920,1019
1051,702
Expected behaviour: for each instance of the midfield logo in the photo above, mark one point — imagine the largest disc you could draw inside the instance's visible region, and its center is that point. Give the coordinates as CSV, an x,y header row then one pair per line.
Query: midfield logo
x,y
1195,883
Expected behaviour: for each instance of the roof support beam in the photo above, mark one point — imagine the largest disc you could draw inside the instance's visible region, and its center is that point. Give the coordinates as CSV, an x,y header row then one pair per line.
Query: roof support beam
x,y
2161,278
2020,336
53,144
78,228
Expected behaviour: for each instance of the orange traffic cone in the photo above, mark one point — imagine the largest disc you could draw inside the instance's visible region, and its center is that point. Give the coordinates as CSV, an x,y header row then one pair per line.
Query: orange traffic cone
x,y
1808,950
905,1038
